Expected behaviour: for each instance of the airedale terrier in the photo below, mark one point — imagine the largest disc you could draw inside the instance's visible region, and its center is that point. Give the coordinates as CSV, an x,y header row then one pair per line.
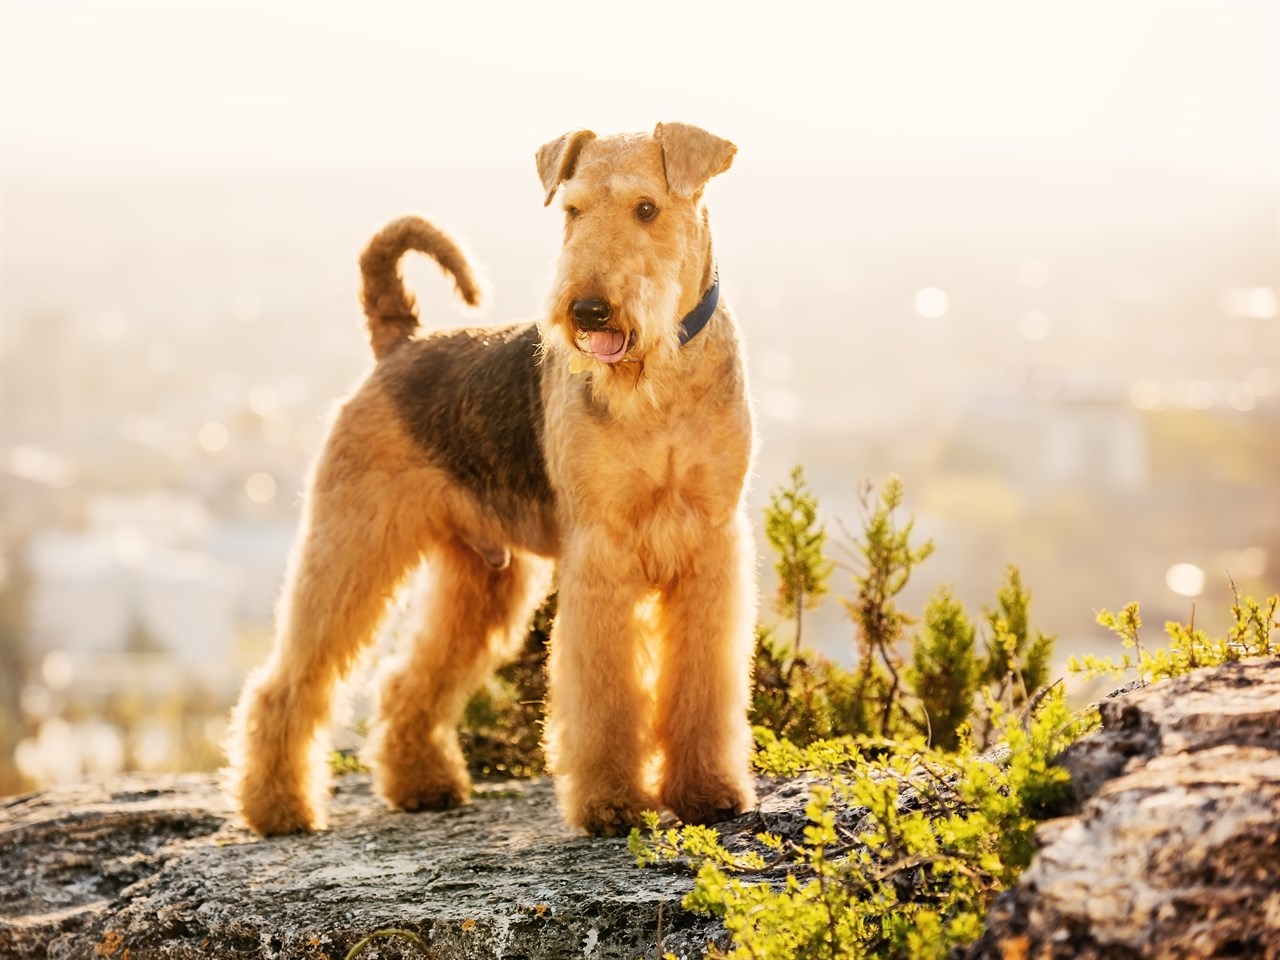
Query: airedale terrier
x,y
614,437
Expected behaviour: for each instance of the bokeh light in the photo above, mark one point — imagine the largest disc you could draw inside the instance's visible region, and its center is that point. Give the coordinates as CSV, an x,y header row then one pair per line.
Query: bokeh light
x,y
1145,395
213,436
1185,579
260,487
931,303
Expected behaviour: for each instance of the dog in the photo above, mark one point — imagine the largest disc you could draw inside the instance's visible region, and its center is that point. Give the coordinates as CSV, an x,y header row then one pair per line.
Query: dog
x,y
613,440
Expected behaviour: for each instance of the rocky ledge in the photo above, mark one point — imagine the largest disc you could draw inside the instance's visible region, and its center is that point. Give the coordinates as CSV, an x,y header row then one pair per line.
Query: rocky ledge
x,y
1174,852
161,868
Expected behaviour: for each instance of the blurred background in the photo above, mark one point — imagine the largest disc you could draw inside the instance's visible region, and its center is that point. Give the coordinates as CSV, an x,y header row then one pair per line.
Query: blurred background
x,y
1023,255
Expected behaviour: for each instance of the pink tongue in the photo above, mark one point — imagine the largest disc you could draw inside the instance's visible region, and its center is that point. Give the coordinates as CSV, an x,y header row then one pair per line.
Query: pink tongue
x,y
608,346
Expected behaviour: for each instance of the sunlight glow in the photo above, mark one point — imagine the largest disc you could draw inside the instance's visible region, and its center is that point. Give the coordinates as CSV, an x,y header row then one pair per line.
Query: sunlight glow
x,y
1145,395
1253,303
931,303
1200,395
1241,396
1185,579
110,83
57,670
260,487
263,400
212,437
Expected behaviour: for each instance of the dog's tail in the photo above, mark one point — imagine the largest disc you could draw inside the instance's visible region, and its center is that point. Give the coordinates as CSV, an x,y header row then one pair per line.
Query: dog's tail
x,y
392,313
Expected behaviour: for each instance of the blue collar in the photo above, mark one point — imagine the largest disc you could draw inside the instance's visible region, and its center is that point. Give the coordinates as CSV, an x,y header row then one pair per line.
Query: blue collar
x,y
697,318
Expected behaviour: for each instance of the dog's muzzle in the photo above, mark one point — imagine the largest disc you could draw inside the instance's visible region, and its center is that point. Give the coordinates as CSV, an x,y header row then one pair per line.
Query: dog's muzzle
x,y
597,334
592,314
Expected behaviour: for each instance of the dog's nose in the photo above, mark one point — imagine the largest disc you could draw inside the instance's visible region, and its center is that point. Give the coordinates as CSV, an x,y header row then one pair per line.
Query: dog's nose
x,y
591,314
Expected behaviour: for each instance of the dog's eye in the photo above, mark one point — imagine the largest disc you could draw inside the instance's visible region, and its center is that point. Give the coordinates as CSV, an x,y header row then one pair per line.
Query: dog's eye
x,y
646,210
572,212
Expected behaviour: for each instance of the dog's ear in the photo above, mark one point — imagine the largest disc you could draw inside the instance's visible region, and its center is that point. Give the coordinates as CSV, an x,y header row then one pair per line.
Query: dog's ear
x,y
691,156
557,158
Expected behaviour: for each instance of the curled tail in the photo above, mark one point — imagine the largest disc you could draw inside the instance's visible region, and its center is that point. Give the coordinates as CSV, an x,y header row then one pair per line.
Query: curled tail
x,y
392,313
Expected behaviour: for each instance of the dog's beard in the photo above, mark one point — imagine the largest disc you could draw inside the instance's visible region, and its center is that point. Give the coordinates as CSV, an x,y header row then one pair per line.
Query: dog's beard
x,y
652,307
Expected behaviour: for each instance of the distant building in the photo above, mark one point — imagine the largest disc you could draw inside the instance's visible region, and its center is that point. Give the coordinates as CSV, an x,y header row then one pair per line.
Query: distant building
x,y
1095,445
259,550
97,592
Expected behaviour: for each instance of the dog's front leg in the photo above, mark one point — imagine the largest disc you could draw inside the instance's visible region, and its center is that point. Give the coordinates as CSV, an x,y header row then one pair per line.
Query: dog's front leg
x,y
599,738
706,619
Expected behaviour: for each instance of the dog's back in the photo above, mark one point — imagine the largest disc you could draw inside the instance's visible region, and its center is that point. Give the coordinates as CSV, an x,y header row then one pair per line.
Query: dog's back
x,y
472,400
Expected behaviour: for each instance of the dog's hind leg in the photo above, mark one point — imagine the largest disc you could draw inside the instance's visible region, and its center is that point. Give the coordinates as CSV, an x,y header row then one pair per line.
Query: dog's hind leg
x,y
707,638
475,617
359,539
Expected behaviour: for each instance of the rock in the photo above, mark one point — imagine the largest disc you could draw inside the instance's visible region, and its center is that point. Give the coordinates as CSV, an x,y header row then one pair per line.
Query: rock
x,y
159,868
1174,852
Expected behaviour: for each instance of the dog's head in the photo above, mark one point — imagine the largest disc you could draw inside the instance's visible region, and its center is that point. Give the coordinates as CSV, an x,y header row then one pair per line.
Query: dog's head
x,y
637,247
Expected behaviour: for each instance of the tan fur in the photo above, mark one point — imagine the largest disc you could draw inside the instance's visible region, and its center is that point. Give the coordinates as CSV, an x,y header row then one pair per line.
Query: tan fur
x,y
490,454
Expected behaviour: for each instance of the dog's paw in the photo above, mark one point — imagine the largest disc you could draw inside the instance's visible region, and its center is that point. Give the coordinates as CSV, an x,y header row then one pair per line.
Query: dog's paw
x,y
607,819
442,799
709,802
279,815
413,795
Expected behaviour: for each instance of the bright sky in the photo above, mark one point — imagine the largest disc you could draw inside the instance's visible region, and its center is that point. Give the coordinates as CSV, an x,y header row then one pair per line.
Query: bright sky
x,y
152,86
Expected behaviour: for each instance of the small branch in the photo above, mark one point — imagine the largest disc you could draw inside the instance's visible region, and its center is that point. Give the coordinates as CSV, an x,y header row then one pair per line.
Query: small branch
x,y
1034,702
893,691
388,933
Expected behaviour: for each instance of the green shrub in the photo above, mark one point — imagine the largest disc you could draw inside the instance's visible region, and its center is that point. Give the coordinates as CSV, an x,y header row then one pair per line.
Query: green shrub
x,y
951,681
792,529
1016,657
944,671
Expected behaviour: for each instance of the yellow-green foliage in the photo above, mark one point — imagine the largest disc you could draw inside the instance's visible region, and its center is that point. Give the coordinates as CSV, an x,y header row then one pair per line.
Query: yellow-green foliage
x,y
1250,635
944,673
903,853
1015,653
792,529
802,695
344,761
950,679
884,559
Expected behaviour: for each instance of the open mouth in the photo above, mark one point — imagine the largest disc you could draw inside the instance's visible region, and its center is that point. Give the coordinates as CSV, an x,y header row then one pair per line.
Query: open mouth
x,y
607,346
